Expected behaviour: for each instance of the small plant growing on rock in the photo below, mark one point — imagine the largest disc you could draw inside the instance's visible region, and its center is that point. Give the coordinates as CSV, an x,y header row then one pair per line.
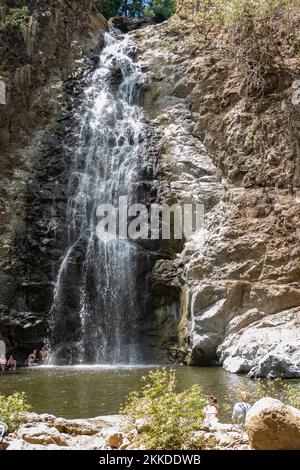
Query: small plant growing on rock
x,y
13,409
15,18
171,417
254,126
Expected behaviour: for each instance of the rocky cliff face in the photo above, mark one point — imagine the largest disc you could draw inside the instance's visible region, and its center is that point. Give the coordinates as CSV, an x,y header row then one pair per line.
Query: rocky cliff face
x,y
41,60
229,295
236,281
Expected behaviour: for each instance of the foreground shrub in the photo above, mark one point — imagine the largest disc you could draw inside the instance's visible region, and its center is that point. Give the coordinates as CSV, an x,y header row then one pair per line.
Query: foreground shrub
x,y
171,417
12,410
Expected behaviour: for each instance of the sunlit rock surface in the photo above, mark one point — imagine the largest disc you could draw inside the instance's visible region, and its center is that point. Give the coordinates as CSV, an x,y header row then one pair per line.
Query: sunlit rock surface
x,y
230,294
238,275
46,432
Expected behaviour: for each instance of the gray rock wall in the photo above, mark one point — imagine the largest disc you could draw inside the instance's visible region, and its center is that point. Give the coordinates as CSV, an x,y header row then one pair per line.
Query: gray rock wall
x,y
41,62
228,295
239,275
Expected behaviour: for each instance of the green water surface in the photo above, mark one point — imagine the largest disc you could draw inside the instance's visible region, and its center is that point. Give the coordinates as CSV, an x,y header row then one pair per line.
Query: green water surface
x,y
85,392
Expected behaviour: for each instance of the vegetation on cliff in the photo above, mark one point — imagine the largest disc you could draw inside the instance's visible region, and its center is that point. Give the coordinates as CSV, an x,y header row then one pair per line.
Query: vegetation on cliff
x,y
260,35
162,9
15,18
159,9
108,8
254,48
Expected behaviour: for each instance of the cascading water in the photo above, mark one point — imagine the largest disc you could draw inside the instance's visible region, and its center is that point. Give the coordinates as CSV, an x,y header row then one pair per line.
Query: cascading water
x,y
106,165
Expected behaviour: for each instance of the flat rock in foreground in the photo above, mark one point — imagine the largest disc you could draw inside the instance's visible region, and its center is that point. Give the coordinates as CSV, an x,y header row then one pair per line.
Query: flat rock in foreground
x,y
47,432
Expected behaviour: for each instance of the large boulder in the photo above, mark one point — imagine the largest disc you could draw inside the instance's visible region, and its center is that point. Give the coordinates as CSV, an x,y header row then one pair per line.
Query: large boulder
x,y
272,425
263,346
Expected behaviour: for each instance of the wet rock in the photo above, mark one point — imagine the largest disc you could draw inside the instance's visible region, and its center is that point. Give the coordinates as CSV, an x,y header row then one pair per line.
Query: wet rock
x,y
271,425
229,286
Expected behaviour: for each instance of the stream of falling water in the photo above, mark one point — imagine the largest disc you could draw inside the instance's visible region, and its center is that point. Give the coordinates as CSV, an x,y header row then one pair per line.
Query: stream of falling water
x,y
105,167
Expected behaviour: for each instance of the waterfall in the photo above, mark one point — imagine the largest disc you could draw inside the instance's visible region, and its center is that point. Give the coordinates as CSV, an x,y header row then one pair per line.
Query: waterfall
x,y
96,320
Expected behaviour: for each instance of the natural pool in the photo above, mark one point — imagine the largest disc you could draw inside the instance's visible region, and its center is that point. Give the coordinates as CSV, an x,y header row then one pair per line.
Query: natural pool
x,y
88,391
